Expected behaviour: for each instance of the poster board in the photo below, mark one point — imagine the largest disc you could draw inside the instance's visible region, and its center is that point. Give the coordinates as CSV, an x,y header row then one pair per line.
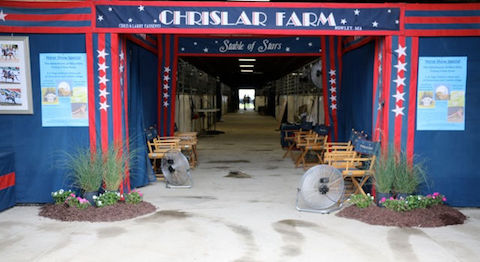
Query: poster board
x,y
15,81
63,81
441,93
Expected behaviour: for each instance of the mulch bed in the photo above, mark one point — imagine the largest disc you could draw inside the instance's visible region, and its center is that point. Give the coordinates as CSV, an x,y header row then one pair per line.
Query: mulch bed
x,y
435,216
117,212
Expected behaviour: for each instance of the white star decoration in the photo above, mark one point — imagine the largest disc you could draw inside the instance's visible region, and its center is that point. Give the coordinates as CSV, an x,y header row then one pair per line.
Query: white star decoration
x,y
165,104
104,106
166,87
356,12
205,50
375,24
333,98
333,89
332,72
167,69
155,20
103,92
343,21
287,49
310,44
399,96
183,48
166,78
298,38
401,51
122,56
141,8
166,95
398,110
2,15
103,79
100,18
396,21
101,53
102,67
379,68
333,106
389,10
400,66
121,67
110,9
130,20
194,43
400,81
379,56
332,81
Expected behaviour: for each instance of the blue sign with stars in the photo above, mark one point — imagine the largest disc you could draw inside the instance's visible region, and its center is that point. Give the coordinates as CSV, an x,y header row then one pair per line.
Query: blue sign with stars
x,y
152,17
272,45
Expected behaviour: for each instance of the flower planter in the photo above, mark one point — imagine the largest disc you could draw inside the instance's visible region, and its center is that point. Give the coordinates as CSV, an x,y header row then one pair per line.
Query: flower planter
x,y
379,196
89,196
401,195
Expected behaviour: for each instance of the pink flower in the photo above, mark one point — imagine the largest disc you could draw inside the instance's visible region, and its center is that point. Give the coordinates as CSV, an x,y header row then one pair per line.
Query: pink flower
x,y
72,195
383,200
444,199
391,198
436,194
429,195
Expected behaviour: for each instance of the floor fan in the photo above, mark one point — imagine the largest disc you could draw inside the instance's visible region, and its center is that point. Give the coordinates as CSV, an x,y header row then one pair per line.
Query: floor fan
x,y
321,190
176,169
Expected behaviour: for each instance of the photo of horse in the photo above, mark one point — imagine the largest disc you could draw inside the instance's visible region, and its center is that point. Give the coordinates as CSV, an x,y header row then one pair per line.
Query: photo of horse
x,y
10,74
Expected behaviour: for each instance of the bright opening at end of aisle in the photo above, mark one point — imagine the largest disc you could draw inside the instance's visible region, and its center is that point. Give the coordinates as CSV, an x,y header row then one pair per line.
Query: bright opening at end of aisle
x,y
246,97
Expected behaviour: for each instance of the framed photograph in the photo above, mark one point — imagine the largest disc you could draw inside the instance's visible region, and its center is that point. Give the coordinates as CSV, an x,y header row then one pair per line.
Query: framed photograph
x,y
15,81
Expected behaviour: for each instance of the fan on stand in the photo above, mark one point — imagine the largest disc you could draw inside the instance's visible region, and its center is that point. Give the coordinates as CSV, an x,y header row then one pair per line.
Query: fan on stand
x,y
176,169
321,190
316,74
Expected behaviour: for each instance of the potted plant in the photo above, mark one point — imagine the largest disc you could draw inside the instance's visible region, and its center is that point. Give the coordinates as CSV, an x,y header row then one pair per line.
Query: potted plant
x,y
85,167
408,176
384,176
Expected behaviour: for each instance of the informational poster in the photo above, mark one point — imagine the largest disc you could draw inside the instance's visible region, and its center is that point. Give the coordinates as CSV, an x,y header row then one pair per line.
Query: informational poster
x,y
441,93
63,81
15,84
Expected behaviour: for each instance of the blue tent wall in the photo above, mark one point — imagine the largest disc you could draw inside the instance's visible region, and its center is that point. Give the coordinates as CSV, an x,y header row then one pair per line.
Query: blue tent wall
x,y
452,156
355,98
38,150
142,107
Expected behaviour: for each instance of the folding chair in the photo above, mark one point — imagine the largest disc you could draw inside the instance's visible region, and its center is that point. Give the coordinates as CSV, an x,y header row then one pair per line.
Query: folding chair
x,y
293,140
159,146
356,166
313,143
188,145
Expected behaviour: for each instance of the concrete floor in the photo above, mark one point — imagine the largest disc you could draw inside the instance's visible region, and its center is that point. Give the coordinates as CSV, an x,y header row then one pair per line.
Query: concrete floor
x,y
231,219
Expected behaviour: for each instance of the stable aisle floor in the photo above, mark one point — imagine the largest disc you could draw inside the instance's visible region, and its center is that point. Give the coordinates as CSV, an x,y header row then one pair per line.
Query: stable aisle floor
x,y
232,219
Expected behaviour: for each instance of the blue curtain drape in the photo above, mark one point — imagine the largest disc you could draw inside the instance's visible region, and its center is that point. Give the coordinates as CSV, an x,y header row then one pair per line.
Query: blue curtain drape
x,y
451,156
142,108
39,150
355,98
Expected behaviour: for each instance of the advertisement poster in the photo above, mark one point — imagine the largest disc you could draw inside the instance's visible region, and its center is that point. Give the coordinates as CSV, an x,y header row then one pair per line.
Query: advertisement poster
x,y
63,81
15,85
441,93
